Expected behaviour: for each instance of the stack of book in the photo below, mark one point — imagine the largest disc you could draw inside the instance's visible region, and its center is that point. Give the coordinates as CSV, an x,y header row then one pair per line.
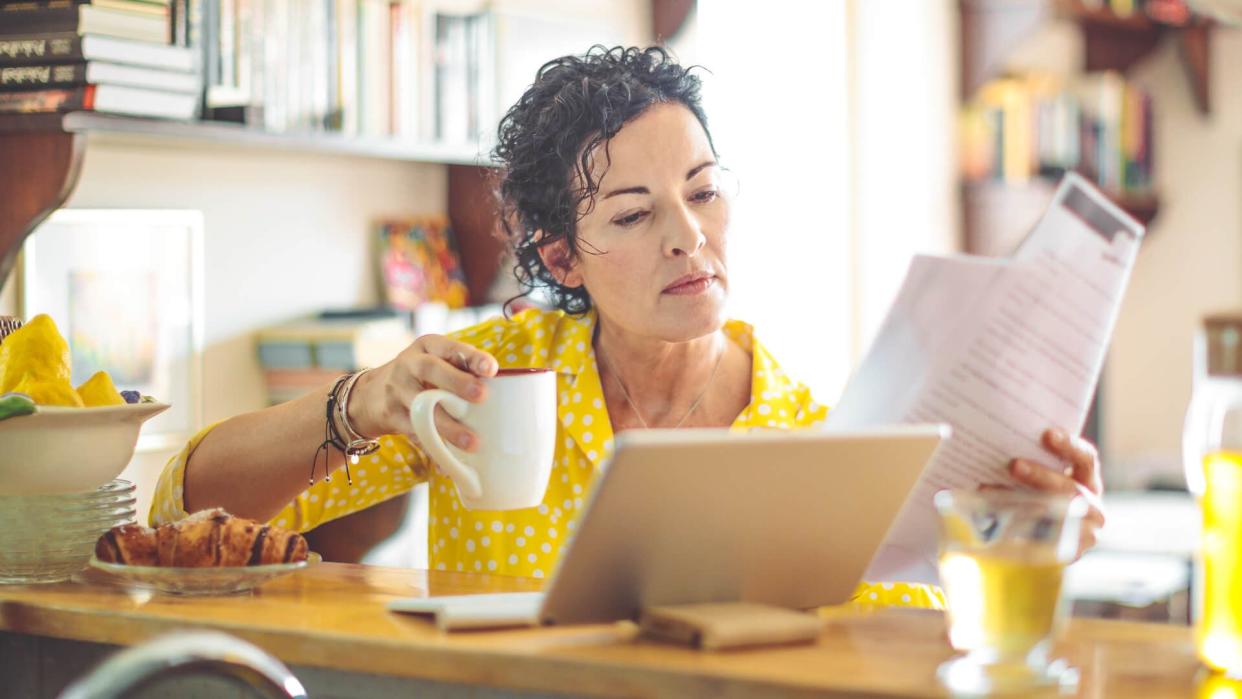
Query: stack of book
x,y
303,355
112,56
464,103
400,69
1039,125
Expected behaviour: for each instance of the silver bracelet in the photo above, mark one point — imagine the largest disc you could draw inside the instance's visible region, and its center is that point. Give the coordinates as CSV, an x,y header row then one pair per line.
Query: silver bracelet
x,y
359,445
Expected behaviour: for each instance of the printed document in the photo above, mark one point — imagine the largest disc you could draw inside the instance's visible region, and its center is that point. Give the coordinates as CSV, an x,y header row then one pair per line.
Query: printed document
x,y
1000,349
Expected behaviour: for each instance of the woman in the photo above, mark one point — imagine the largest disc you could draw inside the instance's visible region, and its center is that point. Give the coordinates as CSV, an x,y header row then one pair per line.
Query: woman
x,y
613,202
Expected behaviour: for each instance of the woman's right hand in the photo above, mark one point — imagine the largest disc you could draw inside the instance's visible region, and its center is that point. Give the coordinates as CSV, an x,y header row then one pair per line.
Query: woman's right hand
x,y
380,401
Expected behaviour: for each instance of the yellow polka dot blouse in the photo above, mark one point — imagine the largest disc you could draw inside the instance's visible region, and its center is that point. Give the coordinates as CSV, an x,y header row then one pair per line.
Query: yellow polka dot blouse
x,y
528,542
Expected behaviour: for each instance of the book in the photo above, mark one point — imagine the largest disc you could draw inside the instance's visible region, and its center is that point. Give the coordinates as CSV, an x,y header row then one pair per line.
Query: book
x,y
28,18
339,344
60,47
179,16
1038,125
284,385
160,9
113,99
374,68
142,7
452,88
405,77
94,73
347,66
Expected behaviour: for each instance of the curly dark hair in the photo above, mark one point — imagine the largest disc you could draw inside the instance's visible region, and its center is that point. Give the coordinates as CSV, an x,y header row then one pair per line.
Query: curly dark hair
x,y
548,141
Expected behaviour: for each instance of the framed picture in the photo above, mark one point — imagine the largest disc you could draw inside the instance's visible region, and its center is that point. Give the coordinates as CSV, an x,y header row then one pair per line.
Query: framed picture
x,y
125,289
419,263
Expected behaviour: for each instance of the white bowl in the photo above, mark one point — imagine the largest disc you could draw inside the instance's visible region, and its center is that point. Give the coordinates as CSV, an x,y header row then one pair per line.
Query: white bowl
x,y
68,450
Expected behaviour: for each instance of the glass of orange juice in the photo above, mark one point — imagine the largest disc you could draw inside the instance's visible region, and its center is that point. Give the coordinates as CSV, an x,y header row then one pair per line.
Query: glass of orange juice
x,y
1002,557
1212,458
1218,633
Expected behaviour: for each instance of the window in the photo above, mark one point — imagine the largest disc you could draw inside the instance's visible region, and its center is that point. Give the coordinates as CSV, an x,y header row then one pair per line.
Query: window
x,y
776,101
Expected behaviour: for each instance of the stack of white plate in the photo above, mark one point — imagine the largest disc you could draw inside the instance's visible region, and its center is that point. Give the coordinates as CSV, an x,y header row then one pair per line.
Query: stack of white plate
x,y
48,538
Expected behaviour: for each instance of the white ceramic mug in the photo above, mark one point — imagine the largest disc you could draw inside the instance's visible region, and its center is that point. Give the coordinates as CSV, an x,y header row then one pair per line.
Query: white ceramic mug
x,y
516,428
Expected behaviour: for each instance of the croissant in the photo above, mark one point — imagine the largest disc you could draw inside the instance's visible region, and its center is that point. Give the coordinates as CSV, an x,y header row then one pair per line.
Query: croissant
x,y
211,538
132,544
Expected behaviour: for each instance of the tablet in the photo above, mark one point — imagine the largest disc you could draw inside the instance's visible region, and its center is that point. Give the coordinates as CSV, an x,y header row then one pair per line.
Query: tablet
x,y
784,518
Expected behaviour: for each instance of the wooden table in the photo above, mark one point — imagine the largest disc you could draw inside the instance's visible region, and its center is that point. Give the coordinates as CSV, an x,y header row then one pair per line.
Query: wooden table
x,y
332,616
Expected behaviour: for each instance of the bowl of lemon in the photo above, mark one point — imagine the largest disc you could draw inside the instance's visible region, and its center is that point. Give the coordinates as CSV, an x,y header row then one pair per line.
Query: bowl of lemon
x,y
54,437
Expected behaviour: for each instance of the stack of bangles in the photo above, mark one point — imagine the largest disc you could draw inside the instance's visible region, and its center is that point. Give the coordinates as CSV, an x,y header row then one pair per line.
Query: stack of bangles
x,y
352,444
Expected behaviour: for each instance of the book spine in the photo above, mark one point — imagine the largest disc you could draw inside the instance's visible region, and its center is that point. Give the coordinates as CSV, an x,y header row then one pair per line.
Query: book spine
x,y
396,32
318,68
207,36
1145,157
38,6
272,41
31,18
362,66
443,57
331,71
37,77
228,44
29,102
243,20
39,49
255,35
347,65
487,97
179,17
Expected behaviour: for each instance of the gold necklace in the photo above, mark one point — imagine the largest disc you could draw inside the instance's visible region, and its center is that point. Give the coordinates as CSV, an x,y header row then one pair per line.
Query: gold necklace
x,y
616,375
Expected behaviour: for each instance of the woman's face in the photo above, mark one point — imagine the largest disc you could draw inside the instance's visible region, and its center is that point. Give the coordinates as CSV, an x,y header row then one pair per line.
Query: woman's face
x,y
652,250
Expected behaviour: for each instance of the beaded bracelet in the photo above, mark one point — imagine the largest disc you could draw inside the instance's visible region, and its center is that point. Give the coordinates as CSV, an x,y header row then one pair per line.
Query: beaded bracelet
x,y
331,437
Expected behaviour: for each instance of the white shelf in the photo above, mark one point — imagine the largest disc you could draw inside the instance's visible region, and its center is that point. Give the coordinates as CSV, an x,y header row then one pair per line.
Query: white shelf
x,y
106,128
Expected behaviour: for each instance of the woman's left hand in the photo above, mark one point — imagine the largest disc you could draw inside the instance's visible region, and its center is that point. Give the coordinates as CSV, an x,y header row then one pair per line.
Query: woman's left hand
x,y
1081,477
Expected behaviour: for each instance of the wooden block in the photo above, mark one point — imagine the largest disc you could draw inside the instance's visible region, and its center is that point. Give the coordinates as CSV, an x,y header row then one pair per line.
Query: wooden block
x,y
729,625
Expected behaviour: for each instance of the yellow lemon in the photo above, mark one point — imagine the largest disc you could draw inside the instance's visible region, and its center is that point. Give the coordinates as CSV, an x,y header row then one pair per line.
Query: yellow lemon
x,y
99,390
35,350
49,392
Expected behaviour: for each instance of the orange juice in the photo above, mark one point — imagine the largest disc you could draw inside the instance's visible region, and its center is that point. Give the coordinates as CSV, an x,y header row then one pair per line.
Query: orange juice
x,y
1215,686
1218,633
1002,600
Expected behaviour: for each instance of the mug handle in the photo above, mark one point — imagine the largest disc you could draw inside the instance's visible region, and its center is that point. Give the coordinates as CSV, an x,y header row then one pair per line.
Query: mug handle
x,y
422,419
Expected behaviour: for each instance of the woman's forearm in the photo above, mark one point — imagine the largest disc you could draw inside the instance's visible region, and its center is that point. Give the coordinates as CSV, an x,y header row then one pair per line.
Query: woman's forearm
x,y
254,464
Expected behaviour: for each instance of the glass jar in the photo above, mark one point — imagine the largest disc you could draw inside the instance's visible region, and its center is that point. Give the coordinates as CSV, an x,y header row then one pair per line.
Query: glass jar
x,y
1212,455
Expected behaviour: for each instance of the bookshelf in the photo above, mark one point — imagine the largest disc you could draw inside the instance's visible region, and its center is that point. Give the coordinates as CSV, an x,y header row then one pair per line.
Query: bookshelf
x,y
1112,41
43,153
989,28
1115,42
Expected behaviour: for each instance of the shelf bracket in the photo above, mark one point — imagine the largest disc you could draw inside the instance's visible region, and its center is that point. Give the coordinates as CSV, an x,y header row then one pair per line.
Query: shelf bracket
x,y
1195,44
40,170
